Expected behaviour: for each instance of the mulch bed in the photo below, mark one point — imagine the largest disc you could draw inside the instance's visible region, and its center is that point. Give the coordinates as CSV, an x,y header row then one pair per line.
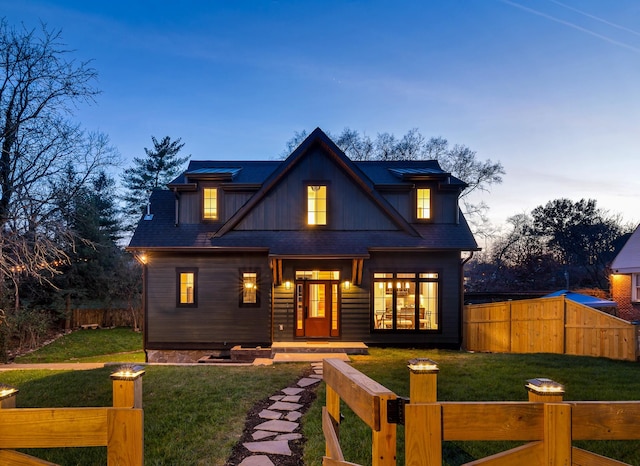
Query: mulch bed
x,y
239,452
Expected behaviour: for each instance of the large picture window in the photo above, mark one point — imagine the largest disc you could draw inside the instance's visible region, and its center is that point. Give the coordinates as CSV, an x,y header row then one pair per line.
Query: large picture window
x,y
316,205
186,287
405,301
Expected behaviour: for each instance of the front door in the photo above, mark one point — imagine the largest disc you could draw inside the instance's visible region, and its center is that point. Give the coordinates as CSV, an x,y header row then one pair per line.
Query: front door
x,y
318,306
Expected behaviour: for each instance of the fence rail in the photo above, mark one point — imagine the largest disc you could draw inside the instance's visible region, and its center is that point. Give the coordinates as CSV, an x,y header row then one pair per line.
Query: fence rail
x,y
548,325
119,428
546,421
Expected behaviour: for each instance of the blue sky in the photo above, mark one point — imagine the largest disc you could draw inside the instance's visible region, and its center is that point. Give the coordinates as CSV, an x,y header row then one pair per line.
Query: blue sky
x,y
551,89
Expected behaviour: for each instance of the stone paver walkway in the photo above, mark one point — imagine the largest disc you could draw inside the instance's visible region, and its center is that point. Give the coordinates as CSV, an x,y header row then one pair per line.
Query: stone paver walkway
x,y
280,425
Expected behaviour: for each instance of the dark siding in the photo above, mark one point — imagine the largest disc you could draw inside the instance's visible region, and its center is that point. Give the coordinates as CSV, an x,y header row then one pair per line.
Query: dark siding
x,y
283,313
190,207
285,208
218,319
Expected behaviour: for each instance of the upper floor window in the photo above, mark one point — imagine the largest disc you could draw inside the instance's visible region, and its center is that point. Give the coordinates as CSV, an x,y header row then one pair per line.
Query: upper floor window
x,y
187,280
210,204
423,203
317,204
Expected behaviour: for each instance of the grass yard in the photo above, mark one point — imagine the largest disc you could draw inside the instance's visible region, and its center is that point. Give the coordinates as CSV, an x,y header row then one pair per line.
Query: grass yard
x,y
195,414
481,377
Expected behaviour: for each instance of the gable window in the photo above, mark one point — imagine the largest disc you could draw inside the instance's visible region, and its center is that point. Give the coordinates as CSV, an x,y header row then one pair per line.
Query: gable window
x,y
635,287
186,289
249,295
210,203
405,301
423,203
317,205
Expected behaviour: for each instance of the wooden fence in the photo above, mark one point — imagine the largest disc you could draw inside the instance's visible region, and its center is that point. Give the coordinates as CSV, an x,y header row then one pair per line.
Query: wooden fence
x,y
545,421
548,325
119,428
104,318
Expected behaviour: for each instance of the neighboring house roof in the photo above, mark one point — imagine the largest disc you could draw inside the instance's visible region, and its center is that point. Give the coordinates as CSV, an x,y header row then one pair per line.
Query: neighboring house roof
x,y
587,300
161,232
628,259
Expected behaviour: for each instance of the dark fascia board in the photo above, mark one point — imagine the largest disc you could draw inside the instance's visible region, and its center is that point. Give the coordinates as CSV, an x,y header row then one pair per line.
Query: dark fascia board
x,y
319,256
318,137
420,249
198,249
241,187
183,187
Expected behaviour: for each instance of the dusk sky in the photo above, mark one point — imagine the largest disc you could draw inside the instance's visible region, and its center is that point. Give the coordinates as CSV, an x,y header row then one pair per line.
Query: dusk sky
x,y
551,89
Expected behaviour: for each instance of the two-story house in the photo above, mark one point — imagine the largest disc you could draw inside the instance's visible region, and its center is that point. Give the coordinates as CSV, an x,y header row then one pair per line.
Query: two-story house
x,y
315,247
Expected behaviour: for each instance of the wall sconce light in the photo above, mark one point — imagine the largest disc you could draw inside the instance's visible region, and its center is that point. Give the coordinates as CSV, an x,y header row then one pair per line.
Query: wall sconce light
x,y
128,372
347,285
287,285
7,391
542,386
422,366
142,258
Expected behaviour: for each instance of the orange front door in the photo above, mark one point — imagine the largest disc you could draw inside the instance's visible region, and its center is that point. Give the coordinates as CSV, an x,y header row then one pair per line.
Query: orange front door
x,y
317,322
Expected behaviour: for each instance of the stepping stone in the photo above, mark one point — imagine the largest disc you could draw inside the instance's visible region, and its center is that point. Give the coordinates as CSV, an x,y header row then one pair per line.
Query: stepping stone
x,y
262,434
273,447
306,381
276,397
257,460
292,390
278,426
318,371
289,437
268,414
291,398
317,364
284,406
293,416
315,376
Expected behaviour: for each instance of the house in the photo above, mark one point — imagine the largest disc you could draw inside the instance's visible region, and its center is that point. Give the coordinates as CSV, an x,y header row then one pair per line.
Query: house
x,y
315,247
625,278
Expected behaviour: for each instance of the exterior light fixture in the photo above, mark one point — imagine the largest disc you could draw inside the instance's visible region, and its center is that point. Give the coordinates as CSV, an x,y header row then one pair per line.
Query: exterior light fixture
x,y
287,285
142,258
422,366
7,391
128,372
544,390
347,285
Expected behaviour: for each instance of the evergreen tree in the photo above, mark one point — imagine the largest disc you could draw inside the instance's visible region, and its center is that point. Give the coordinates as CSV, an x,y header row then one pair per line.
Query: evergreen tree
x,y
158,168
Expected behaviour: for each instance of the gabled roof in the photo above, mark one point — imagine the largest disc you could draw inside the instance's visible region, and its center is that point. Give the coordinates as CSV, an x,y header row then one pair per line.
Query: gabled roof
x,y
260,177
628,259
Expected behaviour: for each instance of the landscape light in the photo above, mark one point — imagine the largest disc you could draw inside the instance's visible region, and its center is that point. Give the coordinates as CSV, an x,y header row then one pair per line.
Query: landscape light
x,y
128,372
422,366
542,386
7,391
347,285
287,285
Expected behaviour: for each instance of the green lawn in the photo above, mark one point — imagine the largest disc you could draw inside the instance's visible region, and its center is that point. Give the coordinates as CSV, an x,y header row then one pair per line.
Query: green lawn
x,y
194,415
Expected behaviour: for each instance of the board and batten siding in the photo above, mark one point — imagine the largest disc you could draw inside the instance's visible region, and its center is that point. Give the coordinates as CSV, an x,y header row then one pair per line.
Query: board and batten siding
x,y
218,319
284,208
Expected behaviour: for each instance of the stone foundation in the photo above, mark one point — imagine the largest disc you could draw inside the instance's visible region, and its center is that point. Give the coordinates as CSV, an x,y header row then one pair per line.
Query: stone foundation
x,y
176,356
237,354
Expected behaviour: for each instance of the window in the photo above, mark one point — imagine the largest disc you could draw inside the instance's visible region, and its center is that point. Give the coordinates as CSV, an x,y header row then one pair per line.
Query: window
x,y
187,283
249,295
423,203
635,287
405,301
316,205
210,204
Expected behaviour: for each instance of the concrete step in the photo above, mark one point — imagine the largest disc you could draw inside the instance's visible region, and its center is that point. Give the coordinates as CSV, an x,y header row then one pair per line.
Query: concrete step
x,y
348,347
308,357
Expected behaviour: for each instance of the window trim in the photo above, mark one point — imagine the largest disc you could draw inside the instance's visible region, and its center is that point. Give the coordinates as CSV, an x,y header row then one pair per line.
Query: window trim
x,y
241,302
415,204
416,280
635,287
179,272
307,185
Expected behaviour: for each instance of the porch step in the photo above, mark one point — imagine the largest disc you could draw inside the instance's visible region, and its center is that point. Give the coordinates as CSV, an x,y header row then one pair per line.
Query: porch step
x,y
308,357
302,347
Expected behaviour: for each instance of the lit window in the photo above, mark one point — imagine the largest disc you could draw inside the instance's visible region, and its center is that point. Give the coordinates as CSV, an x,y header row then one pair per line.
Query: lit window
x,y
186,287
635,287
317,205
423,203
210,204
405,301
249,288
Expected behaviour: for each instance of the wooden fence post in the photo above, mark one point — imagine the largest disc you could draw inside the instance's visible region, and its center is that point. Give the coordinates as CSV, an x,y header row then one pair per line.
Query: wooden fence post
x,y
127,387
557,433
333,408
383,445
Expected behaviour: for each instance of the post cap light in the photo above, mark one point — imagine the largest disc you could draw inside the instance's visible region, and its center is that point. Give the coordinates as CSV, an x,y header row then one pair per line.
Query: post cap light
x,y
347,285
542,386
287,285
7,391
422,366
128,372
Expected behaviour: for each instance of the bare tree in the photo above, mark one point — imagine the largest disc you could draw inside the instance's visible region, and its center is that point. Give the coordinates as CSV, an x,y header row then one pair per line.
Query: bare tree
x,y
40,87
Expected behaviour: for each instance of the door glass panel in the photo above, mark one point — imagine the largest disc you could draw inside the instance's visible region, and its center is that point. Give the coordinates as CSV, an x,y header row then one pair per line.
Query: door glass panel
x,y
317,300
299,307
334,307
428,306
405,304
